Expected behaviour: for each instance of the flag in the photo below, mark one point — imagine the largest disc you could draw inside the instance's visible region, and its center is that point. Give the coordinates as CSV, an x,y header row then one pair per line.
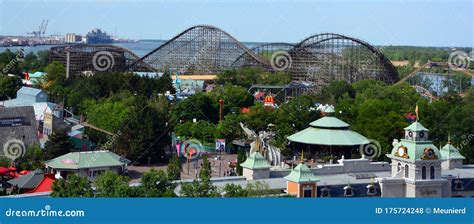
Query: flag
x,y
178,149
416,111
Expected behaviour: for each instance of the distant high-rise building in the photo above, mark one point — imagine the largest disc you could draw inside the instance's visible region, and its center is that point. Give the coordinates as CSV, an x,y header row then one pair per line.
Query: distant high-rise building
x,y
96,36
73,38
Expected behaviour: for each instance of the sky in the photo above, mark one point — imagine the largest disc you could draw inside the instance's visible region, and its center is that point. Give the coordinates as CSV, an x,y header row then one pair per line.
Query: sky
x,y
379,22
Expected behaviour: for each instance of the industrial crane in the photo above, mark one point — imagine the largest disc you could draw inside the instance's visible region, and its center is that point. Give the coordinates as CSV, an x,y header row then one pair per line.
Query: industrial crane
x,y
41,30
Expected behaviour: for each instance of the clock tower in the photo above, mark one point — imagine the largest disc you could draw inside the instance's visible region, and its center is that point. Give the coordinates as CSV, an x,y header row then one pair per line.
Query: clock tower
x,y
416,166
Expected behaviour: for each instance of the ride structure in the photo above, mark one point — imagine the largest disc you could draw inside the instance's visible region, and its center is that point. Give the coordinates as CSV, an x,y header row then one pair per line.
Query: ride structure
x,y
205,49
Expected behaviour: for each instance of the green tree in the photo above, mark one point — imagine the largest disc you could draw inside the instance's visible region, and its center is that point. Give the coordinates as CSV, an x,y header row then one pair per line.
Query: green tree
x,y
230,128
234,98
111,184
332,93
109,113
145,132
9,86
72,186
9,62
56,72
155,183
260,189
57,145
234,191
32,160
206,171
174,168
241,157
202,187
203,130
198,106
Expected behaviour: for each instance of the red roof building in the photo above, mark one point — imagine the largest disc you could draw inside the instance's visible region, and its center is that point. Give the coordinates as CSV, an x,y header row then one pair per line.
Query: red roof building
x,y
45,185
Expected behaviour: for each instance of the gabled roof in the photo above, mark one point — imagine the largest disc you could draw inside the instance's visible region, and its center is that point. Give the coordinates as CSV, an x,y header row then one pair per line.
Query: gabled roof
x,y
416,126
450,152
28,181
88,159
255,161
29,91
45,185
301,174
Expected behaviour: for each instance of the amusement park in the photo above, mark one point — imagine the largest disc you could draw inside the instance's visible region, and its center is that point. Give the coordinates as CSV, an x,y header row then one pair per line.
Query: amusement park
x,y
204,114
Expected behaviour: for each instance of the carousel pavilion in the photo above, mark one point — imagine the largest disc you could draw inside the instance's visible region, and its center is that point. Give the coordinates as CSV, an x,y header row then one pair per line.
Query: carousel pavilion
x,y
328,136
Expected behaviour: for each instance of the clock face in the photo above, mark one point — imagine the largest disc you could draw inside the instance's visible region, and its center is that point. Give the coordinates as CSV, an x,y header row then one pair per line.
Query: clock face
x,y
422,134
429,154
401,151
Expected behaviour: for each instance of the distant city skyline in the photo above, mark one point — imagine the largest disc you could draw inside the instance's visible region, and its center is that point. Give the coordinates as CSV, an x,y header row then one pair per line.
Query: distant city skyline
x,y
417,23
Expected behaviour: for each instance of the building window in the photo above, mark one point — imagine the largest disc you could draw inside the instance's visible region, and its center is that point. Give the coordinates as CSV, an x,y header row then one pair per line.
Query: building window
x,y
348,191
399,167
325,192
458,185
423,172
95,173
406,171
432,172
371,191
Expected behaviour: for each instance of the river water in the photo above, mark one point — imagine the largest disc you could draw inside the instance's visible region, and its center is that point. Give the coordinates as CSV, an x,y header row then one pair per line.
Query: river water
x,y
140,48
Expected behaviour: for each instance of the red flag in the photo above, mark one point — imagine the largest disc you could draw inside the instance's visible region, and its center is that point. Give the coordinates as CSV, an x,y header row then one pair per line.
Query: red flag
x,y
178,146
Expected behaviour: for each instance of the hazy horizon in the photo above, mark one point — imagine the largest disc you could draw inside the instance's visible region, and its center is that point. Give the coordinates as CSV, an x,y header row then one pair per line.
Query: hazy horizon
x,y
438,23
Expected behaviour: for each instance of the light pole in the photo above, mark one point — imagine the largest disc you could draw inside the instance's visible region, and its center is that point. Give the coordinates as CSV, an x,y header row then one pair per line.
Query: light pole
x,y
221,101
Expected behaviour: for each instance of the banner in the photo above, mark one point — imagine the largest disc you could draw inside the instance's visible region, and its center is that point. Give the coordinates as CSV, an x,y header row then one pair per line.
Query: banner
x,y
209,210
220,145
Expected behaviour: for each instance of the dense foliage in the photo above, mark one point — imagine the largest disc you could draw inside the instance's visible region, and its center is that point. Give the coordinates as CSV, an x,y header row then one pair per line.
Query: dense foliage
x,y
246,77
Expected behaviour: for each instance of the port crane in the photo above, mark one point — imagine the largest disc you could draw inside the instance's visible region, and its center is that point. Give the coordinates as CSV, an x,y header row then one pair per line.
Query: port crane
x,y
41,30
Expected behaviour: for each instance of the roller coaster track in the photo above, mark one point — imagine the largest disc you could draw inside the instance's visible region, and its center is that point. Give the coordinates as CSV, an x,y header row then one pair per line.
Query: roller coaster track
x,y
317,60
